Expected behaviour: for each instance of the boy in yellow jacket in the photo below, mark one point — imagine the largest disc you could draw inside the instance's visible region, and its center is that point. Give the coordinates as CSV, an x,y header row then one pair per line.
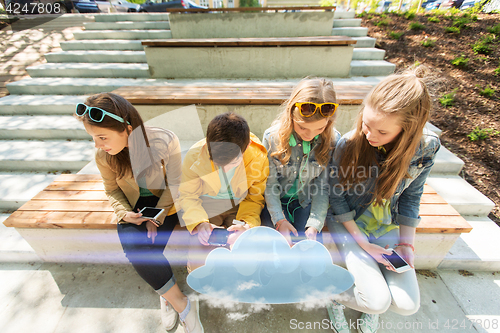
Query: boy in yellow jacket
x,y
223,178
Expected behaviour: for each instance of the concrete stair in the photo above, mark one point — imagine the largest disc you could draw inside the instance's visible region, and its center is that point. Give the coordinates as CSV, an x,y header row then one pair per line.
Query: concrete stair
x,y
97,70
105,45
18,188
39,104
130,25
121,56
134,17
41,127
123,34
350,31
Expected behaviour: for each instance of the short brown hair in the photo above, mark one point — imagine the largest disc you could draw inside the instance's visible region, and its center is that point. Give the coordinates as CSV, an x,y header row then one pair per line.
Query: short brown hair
x,y
228,134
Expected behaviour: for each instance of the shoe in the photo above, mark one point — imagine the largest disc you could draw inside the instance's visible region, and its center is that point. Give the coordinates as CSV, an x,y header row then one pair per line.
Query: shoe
x,y
338,323
192,323
168,315
369,323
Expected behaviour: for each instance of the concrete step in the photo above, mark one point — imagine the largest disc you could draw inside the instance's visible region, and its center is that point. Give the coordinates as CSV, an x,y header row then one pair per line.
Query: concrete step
x,y
343,31
122,34
13,247
363,42
371,68
158,25
367,54
99,70
42,127
97,56
446,163
50,155
18,188
76,86
136,17
433,128
104,45
342,14
342,23
478,250
39,104
461,195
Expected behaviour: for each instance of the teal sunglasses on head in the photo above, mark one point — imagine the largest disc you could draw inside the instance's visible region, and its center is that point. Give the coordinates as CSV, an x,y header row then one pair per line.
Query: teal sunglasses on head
x,y
96,114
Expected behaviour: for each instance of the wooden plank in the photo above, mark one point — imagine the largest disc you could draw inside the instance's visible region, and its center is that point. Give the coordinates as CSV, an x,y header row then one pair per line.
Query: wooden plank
x,y
443,224
71,195
250,9
432,198
58,220
75,186
249,42
79,178
67,206
428,189
437,210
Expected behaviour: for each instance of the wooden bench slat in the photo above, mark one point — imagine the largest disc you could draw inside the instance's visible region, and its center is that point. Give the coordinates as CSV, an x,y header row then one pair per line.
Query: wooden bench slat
x,y
57,220
67,206
75,186
443,224
79,178
71,195
437,210
249,42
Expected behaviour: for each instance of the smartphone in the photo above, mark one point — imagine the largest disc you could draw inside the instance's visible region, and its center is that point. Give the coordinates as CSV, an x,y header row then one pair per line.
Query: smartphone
x,y
296,239
398,263
219,237
151,212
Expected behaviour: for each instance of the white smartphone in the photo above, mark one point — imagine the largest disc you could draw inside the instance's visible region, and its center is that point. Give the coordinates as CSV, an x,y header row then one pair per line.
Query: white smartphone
x,y
398,263
151,212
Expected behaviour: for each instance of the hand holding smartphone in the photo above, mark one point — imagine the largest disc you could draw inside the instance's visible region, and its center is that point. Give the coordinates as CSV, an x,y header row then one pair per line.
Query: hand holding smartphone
x,y
151,213
219,237
397,262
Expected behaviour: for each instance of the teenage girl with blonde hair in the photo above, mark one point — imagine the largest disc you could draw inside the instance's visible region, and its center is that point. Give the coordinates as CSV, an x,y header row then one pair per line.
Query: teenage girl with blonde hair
x,y
378,175
299,144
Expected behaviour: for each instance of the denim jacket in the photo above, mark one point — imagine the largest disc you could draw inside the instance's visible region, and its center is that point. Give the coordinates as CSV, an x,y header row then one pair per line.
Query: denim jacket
x,y
313,181
405,203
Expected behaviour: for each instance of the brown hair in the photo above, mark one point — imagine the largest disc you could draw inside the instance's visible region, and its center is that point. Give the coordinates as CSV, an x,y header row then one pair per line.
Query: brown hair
x,y
407,97
316,90
119,106
228,134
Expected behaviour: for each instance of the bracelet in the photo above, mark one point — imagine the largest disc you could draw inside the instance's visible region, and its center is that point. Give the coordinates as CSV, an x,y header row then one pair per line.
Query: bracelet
x,y
407,245
278,224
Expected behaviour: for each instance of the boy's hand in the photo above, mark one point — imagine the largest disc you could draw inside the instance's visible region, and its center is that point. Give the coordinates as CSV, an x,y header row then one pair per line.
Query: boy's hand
x,y
134,218
285,229
311,233
204,231
236,231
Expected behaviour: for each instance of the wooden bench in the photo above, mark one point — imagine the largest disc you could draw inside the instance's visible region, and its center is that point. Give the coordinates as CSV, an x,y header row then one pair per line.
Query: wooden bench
x,y
236,58
76,202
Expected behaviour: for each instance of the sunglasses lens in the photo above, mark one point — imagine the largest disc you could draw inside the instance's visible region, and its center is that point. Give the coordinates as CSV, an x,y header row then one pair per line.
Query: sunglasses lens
x,y
328,109
80,109
96,114
307,109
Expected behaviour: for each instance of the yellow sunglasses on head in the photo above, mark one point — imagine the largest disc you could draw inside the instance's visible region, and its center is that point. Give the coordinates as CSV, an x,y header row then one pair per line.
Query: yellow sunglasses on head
x,y
308,109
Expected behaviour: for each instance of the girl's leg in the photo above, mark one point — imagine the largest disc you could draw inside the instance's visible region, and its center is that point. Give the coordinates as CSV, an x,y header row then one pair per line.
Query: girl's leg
x,y
403,286
370,293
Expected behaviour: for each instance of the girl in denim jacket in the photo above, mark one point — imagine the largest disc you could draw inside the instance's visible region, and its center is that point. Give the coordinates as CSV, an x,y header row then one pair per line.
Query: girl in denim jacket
x,y
299,144
377,179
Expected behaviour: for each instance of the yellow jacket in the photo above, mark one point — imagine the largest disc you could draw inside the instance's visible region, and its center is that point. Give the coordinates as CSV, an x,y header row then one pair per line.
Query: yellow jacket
x,y
123,193
201,177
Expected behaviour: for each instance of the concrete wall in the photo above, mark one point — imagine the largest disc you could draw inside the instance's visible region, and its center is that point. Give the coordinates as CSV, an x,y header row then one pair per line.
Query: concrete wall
x,y
249,62
239,25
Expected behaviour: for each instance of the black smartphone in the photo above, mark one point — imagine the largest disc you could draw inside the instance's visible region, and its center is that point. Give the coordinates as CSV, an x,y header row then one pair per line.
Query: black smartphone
x,y
296,239
398,263
219,237
151,212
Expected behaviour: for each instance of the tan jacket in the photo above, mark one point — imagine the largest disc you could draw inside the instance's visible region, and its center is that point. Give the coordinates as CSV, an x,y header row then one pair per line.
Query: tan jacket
x,y
200,177
123,193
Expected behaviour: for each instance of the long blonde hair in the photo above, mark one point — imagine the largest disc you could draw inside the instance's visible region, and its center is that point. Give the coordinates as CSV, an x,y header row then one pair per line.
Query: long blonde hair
x,y
407,97
317,90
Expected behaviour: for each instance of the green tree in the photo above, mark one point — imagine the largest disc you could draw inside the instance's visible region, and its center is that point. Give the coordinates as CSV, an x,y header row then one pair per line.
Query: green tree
x,y
249,3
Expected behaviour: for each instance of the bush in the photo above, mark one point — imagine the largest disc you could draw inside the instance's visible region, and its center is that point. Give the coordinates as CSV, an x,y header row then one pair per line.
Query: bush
x,y
461,22
416,26
487,92
448,99
428,42
497,71
474,18
482,133
382,23
495,30
249,3
483,45
434,19
410,15
460,61
362,14
452,30
396,35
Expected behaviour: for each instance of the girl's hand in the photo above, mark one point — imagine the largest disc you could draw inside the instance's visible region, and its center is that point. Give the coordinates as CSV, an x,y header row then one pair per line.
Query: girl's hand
x,y
285,229
311,233
134,218
151,226
236,231
204,231
406,253
376,252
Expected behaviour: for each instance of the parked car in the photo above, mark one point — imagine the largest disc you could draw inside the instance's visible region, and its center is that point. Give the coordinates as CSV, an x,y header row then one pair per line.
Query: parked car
x,y
469,4
119,6
81,6
447,4
433,5
160,6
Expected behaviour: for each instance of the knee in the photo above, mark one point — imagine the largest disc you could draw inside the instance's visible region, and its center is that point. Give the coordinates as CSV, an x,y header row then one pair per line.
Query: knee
x,y
377,301
406,309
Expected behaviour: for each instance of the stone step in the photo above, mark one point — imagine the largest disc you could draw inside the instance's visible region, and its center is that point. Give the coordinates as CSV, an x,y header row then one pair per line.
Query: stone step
x,y
342,23
446,163
461,195
371,68
478,250
364,42
345,31
136,17
39,104
130,25
76,86
98,70
122,34
13,247
342,14
18,188
434,129
370,53
50,155
97,56
42,127
104,45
